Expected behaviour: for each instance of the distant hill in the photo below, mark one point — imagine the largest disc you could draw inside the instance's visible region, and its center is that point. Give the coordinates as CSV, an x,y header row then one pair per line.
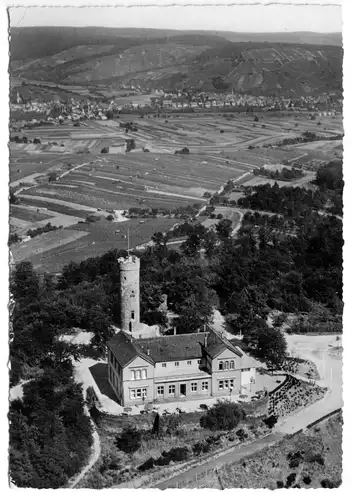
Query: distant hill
x,y
265,64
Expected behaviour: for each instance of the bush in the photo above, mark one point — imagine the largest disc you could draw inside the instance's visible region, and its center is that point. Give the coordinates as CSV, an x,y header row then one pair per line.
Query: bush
x,y
307,480
129,440
241,434
280,484
200,447
162,461
147,465
318,459
290,480
224,415
270,421
178,454
110,217
104,150
327,483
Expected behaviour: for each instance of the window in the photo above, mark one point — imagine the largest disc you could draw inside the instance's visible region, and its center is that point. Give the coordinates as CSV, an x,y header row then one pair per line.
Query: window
x,y
231,384
133,375
177,363
160,390
232,365
245,369
144,373
189,362
172,390
226,384
193,387
221,365
226,365
138,374
132,314
198,361
205,386
138,393
163,365
221,384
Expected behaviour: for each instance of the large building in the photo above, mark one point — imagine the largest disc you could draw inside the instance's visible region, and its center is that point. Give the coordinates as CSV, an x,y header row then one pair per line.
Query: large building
x,y
146,367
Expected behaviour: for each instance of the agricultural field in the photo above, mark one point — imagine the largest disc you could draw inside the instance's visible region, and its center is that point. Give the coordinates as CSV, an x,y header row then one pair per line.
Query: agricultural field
x,y
86,240
66,178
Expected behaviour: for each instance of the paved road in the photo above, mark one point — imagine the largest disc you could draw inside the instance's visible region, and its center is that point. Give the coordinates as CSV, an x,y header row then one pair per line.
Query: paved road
x,y
231,456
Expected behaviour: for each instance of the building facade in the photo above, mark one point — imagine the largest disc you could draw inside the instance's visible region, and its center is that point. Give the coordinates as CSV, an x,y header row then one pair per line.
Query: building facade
x,y
146,367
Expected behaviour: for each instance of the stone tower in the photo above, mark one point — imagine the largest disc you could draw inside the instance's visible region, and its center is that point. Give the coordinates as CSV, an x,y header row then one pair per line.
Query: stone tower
x,y
129,287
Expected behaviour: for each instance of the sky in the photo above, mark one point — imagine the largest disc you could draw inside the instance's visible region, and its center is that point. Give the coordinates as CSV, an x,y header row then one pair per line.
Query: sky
x,y
248,18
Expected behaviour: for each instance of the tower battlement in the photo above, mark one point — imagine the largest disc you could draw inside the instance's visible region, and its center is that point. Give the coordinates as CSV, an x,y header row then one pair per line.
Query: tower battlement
x,y
130,263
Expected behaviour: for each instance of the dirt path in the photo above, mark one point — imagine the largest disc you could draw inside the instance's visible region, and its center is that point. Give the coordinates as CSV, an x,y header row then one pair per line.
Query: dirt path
x,y
96,450
232,456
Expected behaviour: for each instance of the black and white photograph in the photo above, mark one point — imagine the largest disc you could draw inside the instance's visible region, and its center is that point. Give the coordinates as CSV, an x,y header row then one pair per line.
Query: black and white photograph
x,y
175,242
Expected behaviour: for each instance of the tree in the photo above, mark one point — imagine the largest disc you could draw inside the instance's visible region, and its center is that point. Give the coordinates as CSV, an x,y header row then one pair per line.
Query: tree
x,y
224,228
129,440
156,425
24,284
104,150
223,416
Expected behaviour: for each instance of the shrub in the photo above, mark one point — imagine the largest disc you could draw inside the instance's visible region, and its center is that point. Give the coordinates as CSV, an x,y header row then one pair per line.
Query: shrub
x,y
327,483
280,484
318,459
270,421
290,480
110,217
104,150
224,415
147,465
307,480
200,447
129,440
241,434
162,461
178,454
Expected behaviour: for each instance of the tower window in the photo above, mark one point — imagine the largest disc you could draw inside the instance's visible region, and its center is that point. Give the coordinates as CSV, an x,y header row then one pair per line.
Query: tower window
x,y
132,314
125,278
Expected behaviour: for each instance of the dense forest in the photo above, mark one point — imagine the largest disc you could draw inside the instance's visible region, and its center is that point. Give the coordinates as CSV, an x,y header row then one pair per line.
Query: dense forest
x,y
290,262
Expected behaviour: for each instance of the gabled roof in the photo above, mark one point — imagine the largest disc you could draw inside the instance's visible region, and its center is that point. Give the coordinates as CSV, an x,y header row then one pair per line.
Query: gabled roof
x,y
125,349
169,348
174,347
216,344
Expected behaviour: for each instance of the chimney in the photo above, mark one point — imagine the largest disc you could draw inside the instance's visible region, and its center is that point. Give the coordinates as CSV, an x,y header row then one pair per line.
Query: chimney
x,y
174,330
197,330
204,328
206,341
148,352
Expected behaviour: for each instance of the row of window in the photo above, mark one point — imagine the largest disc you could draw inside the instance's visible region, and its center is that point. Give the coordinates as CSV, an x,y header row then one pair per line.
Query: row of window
x,y
226,384
138,374
138,393
226,365
172,388
177,363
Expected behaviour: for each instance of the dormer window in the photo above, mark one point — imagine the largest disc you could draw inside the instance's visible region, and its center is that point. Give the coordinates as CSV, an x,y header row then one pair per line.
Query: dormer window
x,y
227,365
221,365
232,365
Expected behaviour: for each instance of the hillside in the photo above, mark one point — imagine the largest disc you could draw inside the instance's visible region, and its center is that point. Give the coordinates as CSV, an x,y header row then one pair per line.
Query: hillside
x,y
175,59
